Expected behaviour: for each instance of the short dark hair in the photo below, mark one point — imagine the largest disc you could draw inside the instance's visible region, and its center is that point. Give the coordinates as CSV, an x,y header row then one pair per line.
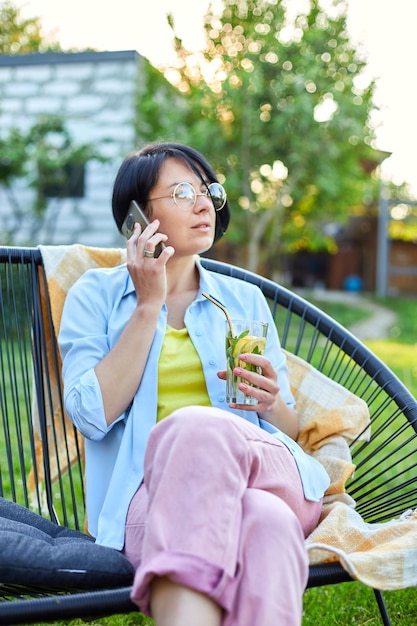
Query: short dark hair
x,y
139,173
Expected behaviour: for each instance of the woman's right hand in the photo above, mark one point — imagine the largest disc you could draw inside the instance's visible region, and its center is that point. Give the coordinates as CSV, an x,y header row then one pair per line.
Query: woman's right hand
x,y
148,274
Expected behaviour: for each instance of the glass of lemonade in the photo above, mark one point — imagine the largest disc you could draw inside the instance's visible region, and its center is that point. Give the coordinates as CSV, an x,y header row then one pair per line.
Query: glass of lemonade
x,y
249,336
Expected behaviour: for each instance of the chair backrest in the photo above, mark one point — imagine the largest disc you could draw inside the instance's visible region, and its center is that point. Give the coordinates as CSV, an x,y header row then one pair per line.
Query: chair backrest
x,y
35,469
35,466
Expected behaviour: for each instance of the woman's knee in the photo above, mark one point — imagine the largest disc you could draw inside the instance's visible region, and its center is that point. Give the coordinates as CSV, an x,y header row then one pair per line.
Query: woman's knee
x,y
268,514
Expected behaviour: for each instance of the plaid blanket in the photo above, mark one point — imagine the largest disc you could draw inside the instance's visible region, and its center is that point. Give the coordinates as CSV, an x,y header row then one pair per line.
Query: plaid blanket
x,y
383,556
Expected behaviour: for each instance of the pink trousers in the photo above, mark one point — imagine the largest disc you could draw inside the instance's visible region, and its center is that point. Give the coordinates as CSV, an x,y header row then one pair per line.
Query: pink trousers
x,y
222,511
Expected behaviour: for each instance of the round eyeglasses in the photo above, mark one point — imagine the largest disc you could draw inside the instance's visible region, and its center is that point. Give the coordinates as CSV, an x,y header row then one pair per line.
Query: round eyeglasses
x,y
185,196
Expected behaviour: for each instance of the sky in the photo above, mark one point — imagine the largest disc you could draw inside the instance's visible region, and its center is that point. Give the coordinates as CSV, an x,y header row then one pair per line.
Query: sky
x,y
385,30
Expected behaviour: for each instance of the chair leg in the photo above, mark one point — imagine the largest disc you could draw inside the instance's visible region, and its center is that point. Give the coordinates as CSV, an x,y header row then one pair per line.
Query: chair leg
x,y
382,608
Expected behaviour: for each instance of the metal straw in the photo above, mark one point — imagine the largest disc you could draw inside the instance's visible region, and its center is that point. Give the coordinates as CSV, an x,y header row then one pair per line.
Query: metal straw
x,y
223,308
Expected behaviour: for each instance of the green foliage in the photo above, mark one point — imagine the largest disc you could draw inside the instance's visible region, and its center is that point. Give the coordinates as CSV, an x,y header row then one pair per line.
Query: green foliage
x,y
44,155
403,223
276,105
12,157
51,148
19,35
153,121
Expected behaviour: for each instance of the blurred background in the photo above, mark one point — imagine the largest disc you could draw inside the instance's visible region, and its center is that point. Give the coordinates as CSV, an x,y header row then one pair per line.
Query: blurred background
x,y
305,109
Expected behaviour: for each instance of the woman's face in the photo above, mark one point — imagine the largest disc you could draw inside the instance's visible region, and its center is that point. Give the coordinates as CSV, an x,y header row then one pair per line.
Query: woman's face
x,y
189,230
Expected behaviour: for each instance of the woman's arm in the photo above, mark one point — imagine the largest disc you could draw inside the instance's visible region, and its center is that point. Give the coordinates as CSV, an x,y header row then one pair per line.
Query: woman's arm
x,y
102,373
104,339
120,372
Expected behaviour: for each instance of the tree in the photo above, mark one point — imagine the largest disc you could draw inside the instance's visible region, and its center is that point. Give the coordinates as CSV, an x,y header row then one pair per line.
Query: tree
x,y
276,102
19,35
154,95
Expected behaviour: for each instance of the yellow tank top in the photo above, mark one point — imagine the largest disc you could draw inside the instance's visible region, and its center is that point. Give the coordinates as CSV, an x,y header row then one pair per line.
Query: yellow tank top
x,y
181,379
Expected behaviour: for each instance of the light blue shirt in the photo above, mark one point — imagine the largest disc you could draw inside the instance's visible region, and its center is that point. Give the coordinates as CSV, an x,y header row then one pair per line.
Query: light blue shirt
x,y
95,313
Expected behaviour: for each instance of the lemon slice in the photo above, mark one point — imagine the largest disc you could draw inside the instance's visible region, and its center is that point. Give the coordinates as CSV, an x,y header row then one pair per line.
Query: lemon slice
x,y
249,344
257,345
240,345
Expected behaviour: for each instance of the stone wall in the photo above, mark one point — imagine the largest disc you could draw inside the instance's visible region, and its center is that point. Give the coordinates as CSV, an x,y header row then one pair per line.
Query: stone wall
x,y
95,92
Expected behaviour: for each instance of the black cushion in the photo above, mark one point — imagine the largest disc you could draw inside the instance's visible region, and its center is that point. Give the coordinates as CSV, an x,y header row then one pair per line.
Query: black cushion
x,y
35,551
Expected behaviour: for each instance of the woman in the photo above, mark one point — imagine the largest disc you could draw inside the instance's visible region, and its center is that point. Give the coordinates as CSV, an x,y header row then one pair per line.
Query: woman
x,y
212,509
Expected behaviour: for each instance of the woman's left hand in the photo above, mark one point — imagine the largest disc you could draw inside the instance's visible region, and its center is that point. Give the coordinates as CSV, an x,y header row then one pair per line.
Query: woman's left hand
x,y
270,407
264,387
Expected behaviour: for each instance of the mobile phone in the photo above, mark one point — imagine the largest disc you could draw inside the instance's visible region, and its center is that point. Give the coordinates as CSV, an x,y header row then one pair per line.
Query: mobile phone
x,y
134,215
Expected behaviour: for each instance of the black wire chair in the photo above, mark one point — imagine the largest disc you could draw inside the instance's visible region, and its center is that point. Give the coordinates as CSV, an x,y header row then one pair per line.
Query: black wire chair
x,y
383,486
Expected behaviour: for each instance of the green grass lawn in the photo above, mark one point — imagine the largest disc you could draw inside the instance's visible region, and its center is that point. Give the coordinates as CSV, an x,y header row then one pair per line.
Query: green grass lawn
x,y
351,603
